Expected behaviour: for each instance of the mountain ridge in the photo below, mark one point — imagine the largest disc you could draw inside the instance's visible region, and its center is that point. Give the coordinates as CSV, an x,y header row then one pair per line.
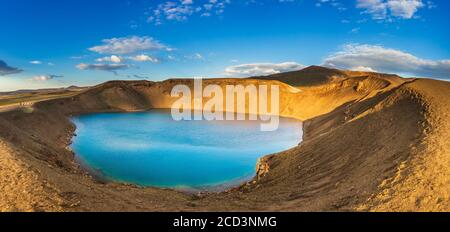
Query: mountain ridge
x,y
316,75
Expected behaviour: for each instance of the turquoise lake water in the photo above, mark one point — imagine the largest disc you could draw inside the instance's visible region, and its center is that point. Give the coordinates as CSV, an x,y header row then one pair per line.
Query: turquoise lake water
x,y
151,149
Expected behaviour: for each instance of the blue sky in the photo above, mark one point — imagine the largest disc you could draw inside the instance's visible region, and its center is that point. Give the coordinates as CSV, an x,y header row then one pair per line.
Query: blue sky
x,y
52,43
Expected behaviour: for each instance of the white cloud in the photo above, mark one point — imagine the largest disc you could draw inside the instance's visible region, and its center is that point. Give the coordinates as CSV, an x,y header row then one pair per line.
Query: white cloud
x,y
118,59
183,9
374,57
334,3
144,58
377,8
103,67
127,45
44,77
37,62
404,8
262,69
382,9
363,69
113,58
355,30
195,56
431,5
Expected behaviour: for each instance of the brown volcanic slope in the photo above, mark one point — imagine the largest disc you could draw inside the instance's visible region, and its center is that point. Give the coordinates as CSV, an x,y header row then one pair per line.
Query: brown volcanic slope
x,y
373,142
310,76
317,75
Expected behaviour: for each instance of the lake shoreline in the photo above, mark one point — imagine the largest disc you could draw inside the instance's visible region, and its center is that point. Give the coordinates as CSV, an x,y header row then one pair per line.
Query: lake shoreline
x,y
152,121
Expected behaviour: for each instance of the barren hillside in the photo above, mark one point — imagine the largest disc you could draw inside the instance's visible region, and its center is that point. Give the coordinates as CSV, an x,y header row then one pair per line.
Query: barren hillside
x,y
373,142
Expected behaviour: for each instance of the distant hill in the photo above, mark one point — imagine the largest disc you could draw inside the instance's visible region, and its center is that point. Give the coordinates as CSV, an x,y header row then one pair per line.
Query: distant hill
x,y
40,91
317,75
